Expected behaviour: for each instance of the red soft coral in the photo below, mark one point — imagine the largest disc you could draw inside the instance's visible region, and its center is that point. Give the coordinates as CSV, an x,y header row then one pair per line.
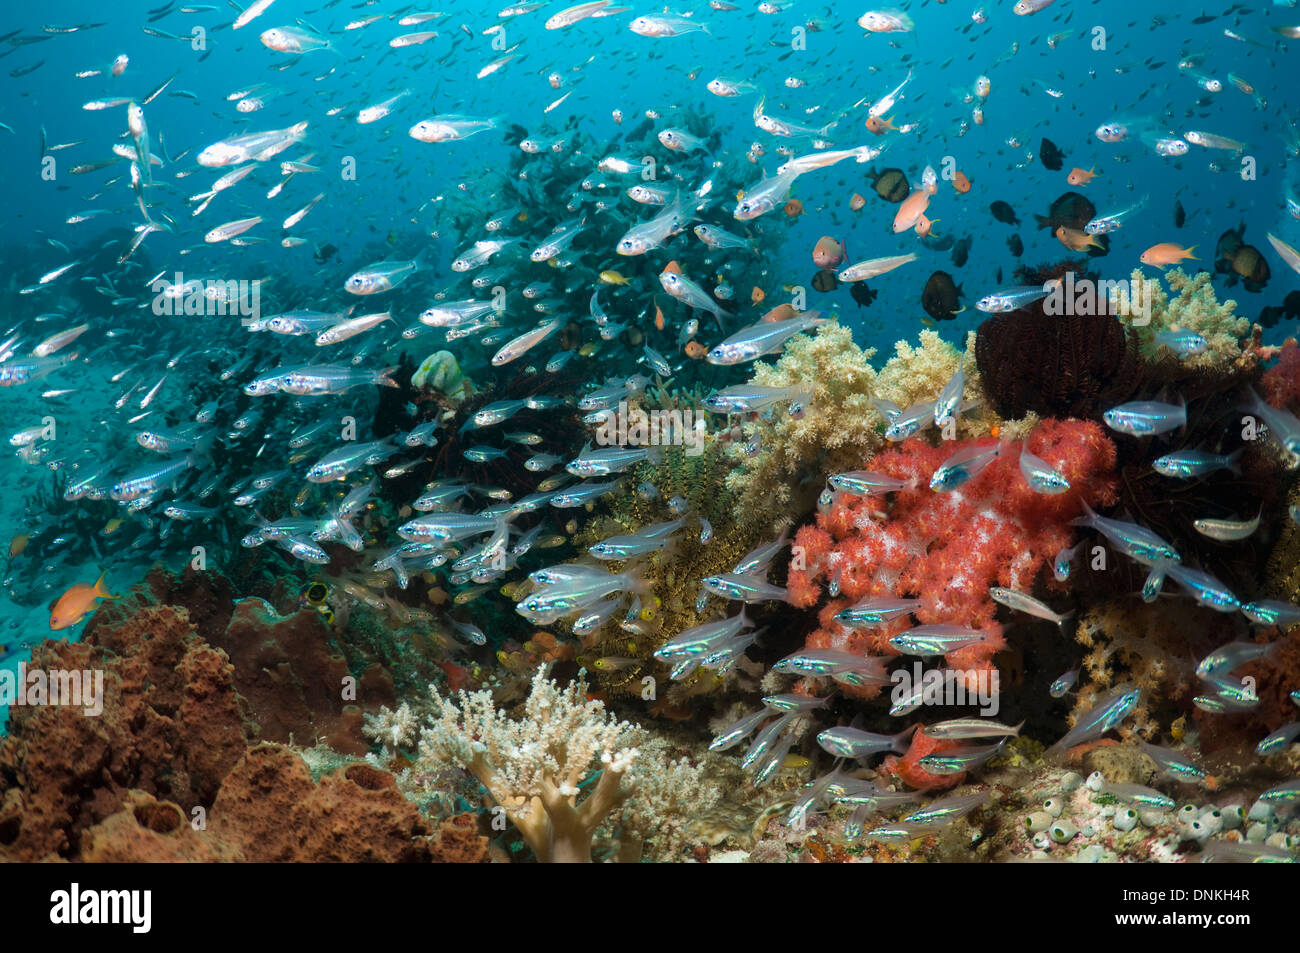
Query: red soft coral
x,y
947,549
908,770
1280,384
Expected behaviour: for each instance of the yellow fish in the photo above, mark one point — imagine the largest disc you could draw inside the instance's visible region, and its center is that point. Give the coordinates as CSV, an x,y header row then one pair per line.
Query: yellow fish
x,y
614,663
79,601
612,277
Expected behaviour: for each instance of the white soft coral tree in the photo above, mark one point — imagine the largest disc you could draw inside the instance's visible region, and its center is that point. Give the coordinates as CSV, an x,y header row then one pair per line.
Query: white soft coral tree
x,y
537,768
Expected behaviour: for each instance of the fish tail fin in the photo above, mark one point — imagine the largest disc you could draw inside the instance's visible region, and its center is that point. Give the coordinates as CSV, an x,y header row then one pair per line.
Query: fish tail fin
x,y
1088,518
384,378
902,740
100,590
1273,649
1057,751
1190,255
1234,461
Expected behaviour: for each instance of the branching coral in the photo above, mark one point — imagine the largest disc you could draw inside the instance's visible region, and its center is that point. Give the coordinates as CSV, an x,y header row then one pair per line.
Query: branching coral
x,y
537,768
947,549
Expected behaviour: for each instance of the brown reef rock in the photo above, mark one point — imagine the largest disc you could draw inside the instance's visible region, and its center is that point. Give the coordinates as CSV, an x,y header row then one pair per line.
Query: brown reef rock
x,y
173,769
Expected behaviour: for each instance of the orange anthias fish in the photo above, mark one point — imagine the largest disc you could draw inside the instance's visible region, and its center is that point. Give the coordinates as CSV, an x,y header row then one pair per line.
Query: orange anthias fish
x,y
695,350
880,126
856,202
1081,176
659,316
78,602
1167,253
757,295
18,544
924,225
960,182
828,253
782,312
911,209
794,208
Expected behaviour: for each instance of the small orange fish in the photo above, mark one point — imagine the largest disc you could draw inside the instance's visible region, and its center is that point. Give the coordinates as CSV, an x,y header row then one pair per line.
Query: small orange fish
x,y
112,526
695,350
757,295
960,182
18,544
659,316
794,208
856,202
880,126
780,313
77,603
910,210
1167,253
924,225
1080,176
827,253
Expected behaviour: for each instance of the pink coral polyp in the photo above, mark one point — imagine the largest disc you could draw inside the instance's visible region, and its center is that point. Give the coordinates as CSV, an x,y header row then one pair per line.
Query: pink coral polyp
x,y
947,549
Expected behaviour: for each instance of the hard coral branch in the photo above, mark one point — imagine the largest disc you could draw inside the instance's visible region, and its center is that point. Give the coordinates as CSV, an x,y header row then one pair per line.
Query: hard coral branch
x,y
537,768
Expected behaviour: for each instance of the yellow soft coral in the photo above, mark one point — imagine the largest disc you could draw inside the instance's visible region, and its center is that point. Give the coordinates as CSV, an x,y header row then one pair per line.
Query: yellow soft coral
x,y
838,429
919,372
1193,307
